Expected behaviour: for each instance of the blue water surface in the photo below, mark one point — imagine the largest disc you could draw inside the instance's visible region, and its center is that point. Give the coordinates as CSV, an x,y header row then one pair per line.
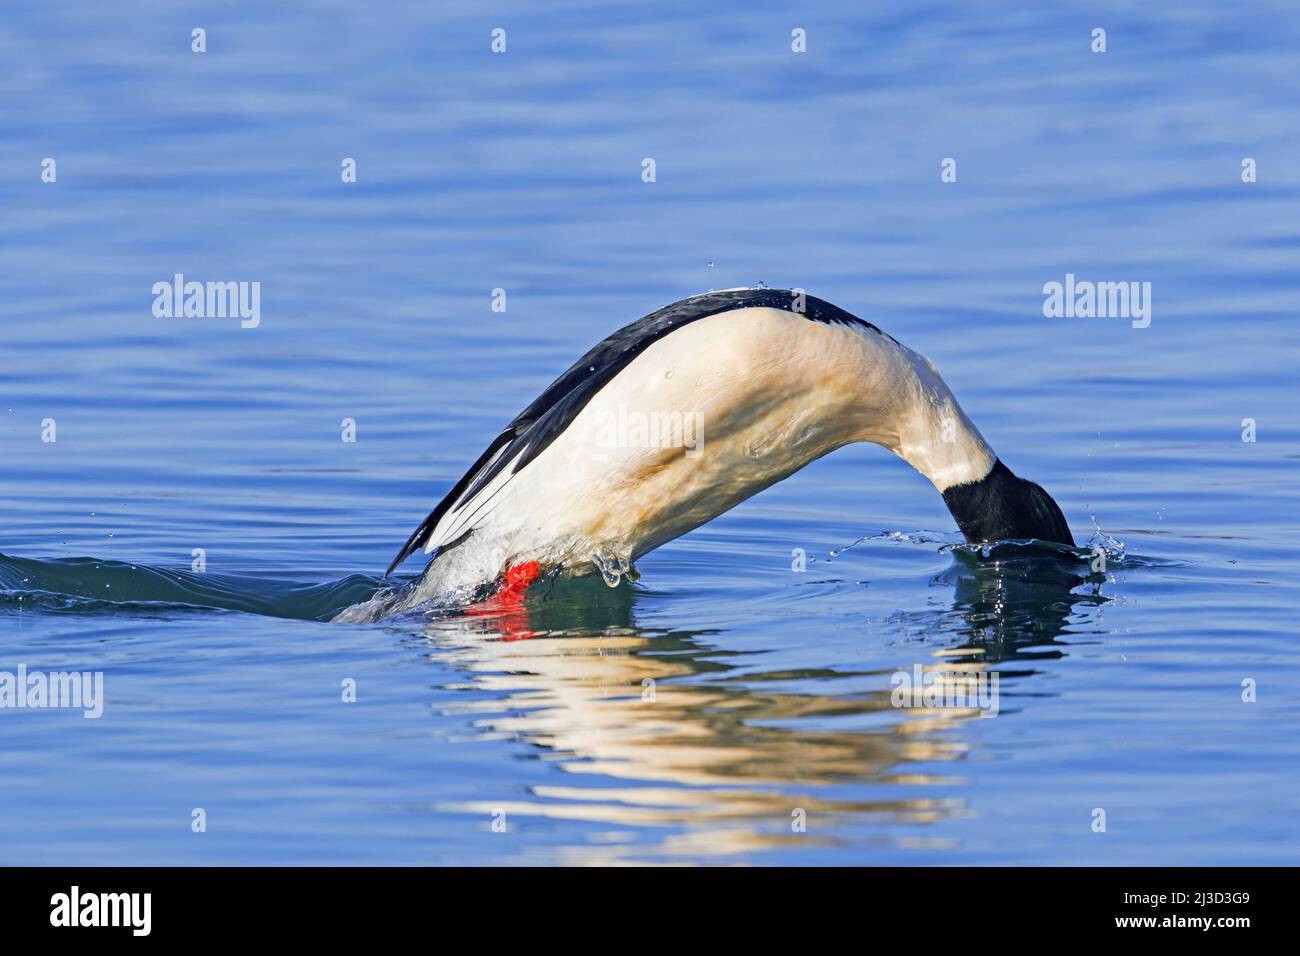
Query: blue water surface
x,y
726,708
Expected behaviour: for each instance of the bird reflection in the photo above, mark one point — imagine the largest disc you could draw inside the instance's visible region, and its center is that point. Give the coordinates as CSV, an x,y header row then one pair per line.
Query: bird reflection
x,y
656,731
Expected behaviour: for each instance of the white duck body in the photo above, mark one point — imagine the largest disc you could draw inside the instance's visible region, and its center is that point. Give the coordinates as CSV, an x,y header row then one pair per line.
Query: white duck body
x,y
703,417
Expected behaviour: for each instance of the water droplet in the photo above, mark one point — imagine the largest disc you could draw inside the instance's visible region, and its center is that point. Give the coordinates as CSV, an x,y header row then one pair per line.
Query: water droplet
x,y
612,567
608,571
668,374
710,263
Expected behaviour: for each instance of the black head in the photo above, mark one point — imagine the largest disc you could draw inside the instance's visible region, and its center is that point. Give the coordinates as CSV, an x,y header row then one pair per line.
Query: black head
x,y
1001,506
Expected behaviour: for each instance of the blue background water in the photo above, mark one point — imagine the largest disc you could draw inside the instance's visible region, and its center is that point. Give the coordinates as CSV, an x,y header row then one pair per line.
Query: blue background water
x,y
522,171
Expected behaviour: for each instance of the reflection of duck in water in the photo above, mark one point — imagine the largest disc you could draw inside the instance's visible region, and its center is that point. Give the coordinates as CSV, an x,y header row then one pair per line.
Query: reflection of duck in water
x,y
685,413
678,738
1014,602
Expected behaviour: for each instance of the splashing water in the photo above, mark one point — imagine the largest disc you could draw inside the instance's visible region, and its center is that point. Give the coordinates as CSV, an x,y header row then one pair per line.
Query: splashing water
x,y
614,566
1109,545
